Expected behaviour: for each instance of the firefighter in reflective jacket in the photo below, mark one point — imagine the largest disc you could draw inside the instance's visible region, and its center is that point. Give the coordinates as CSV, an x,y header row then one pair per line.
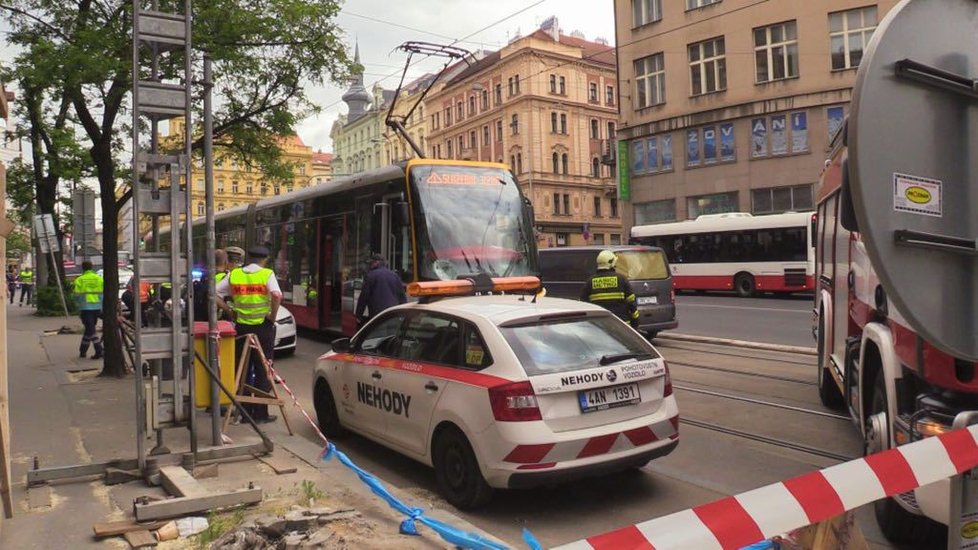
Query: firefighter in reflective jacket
x,y
88,289
611,290
256,298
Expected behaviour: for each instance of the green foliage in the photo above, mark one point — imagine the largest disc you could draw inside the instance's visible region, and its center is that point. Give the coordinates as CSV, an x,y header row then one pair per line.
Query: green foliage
x,y
310,492
218,524
18,242
49,302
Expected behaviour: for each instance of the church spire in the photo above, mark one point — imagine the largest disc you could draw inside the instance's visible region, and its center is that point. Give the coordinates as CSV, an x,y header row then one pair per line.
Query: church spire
x,y
357,97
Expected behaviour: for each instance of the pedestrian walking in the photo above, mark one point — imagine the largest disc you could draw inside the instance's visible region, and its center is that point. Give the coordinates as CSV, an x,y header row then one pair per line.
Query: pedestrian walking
x,y
26,285
611,290
11,283
88,289
382,288
256,297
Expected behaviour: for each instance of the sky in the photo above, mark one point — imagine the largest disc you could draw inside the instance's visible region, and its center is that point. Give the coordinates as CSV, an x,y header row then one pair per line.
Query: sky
x,y
379,28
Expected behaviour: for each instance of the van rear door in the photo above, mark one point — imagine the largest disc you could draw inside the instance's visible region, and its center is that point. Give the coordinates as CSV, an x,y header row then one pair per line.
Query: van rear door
x,y
648,272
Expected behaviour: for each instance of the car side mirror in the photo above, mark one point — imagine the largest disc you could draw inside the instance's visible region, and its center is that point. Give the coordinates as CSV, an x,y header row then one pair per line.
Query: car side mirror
x,y
341,345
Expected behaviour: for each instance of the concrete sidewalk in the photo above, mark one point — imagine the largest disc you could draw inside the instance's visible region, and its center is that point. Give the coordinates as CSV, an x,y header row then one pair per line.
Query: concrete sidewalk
x,y
63,414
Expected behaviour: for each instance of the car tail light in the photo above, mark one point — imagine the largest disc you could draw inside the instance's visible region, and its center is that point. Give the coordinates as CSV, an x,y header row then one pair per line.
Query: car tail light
x,y
667,389
672,295
514,402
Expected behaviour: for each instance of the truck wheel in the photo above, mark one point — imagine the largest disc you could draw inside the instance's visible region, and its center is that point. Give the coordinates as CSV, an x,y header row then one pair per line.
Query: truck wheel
x,y
828,390
744,285
329,420
457,471
896,523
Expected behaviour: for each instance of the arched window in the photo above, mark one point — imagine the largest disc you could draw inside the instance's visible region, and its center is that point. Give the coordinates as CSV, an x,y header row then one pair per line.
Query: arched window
x,y
264,189
234,187
512,162
556,162
595,167
200,209
519,163
563,160
249,187
220,207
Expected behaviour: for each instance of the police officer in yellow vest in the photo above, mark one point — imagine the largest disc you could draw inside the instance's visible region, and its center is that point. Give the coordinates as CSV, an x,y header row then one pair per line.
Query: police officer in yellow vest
x,y
26,285
256,298
88,289
611,290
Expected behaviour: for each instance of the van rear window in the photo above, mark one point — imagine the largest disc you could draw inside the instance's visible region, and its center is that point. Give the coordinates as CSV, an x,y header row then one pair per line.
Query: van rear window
x,y
642,264
573,344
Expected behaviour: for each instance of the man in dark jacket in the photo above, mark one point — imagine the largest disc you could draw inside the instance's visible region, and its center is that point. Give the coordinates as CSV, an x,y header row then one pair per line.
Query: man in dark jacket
x,y
382,288
611,290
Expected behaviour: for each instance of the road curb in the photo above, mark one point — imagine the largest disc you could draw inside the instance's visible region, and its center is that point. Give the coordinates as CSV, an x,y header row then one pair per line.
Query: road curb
x,y
738,343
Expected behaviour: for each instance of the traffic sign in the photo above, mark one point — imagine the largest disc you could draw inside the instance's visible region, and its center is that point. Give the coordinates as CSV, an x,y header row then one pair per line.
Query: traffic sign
x,y
913,166
47,237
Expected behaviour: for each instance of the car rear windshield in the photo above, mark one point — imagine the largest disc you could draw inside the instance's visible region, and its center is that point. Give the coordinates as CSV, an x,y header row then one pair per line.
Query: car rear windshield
x,y
642,264
564,345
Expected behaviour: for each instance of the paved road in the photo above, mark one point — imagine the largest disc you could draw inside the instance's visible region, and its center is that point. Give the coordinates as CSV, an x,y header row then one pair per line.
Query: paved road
x,y
706,466
781,320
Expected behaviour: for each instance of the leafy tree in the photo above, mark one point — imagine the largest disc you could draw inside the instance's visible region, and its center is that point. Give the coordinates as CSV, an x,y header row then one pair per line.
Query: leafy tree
x,y
266,54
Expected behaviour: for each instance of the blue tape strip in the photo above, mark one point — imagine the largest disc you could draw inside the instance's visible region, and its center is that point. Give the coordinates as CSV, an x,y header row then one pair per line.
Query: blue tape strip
x,y
763,545
455,536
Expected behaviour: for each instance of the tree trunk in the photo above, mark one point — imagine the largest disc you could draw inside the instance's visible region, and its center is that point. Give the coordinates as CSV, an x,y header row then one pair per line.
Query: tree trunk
x,y
105,165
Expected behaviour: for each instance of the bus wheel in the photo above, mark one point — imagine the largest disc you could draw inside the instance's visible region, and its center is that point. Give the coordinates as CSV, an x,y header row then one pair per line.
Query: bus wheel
x,y
744,285
896,523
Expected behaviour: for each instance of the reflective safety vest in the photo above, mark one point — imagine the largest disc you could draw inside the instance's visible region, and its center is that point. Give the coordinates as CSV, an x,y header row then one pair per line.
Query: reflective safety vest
x,y
612,291
145,289
252,303
88,288
220,276
27,277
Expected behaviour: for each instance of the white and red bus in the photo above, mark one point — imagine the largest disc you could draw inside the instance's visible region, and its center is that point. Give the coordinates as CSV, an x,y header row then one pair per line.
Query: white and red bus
x,y
737,251
896,386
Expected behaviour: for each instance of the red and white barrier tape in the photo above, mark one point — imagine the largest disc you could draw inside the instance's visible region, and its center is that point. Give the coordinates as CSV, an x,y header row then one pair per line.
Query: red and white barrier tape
x,y
295,401
738,521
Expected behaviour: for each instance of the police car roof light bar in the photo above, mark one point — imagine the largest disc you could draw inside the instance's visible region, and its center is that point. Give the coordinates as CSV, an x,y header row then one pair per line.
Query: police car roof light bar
x,y
467,287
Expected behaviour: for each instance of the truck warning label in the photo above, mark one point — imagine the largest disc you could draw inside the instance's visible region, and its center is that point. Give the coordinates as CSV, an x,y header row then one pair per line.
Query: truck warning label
x,y
917,195
385,400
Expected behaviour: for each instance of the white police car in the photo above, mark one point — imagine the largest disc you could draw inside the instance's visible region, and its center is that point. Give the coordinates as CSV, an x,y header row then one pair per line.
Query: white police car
x,y
285,333
500,391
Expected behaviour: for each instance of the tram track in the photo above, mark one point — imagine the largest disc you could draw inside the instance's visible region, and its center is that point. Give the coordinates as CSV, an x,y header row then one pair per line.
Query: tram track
x,y
712,368
660,343
761,402
777,442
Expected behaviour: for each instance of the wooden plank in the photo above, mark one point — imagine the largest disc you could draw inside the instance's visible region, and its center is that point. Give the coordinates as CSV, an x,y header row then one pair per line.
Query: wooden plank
x,y
279,464
140,539
181,506
115,528
180,483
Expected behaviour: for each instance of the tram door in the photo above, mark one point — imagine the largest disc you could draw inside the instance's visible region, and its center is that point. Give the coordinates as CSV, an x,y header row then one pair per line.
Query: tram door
x,y
330,274
395,239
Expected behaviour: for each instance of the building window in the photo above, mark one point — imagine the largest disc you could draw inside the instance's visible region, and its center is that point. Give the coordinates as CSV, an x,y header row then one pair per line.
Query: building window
x,y
598,239
563,85
562,239
512,162
459,111
778,135
614,208
645,12
556,200
471,105
597,206
849,33
515,124
592,92
615,239
708,145
448,145
776,52
249,187
594,128
461,144
519,162
472,140
553,83
234,187
485,99
655,212
611,130
566,201
485,135
694,4
512,87
264,189
220,207
516,79
556,163
563,123
711,204
596,167
650,80
499,130
200,209
708,66
499,94
609,95
278,189
775,200
553,123
448,116
563,164
220,186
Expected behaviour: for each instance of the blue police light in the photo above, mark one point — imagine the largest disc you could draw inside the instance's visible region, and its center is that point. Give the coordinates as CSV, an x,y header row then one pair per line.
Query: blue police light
x,y
197,273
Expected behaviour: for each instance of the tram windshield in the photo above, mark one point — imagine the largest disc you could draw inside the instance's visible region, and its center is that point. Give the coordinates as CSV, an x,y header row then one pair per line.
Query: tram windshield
x,y
470,220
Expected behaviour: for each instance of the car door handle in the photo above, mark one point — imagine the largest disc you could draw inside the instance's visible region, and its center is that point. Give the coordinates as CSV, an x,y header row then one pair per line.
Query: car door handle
x,y
376,375
431,386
